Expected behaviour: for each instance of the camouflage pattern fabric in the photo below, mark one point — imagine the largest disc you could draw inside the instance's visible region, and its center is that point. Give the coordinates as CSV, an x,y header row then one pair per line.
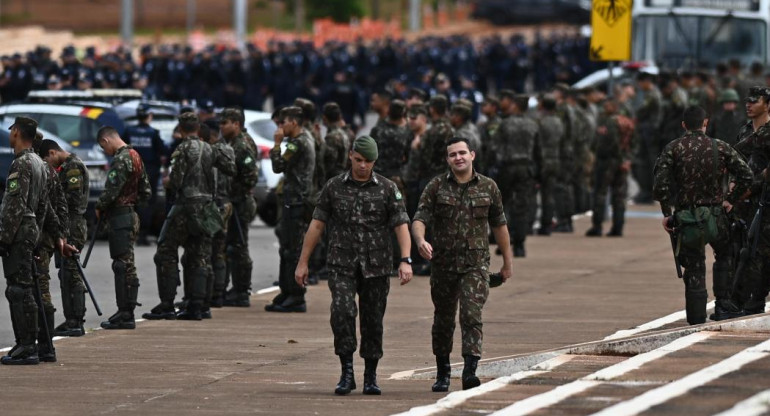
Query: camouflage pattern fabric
x,y
73,177
336,153
470,291
392,144
547,154
372,298
612,149
433,149
647,121
727,125
585,127
487,131
127,183
297,164
470,132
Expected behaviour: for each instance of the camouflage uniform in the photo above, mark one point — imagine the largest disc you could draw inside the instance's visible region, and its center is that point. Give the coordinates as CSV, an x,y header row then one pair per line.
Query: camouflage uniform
x,y
297,164
73,177
564,196
336,153
647,122
22,213
672,107
548,150
433,150
224,161
470,132
191,179
393,144
584,129
360,219
514,145
126,186
687,166
487,159
754,285
726,125
244,211
460,215
614,145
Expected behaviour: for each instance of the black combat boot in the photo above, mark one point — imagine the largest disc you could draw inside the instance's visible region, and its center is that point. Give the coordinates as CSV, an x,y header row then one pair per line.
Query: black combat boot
x,y
122,319
726,309
370,377
164,310
191,313
518,250
347,381
469,372
45,352
237,298
21,354
594,231
443,374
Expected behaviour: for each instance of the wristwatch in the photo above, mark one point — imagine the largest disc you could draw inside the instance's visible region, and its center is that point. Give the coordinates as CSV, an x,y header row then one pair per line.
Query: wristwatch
x,y
407,260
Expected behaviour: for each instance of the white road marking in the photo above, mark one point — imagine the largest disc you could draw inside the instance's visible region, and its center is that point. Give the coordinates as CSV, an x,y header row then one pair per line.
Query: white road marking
x,y
679,387
455,399
657,323
268,290
551,397
755,405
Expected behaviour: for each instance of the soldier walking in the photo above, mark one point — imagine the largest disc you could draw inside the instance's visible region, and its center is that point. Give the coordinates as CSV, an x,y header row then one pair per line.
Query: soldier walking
x,y
361,209
126,187
695,165
459,206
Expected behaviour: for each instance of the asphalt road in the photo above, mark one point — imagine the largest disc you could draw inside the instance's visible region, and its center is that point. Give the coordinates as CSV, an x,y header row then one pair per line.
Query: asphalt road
x,y
264,252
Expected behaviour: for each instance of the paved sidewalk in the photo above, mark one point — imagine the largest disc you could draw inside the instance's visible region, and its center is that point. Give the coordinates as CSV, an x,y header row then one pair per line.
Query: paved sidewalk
x,y
568,290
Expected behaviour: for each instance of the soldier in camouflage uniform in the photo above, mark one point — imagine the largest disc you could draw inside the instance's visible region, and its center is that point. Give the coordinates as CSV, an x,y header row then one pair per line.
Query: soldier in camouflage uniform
x,y
693,169
614,149
22,213
727,122
126,187
73,178
584,128
244,206
514,143
754,145
433,142
563,187
490,108
297,164
392,139
460,118
460,205
190,223
337,141
647,121
418,125
547,156
673,102
361,210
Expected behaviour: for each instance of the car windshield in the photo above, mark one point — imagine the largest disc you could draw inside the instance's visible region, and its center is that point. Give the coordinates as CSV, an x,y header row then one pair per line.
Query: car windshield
x,y
70,128
264,128
676,41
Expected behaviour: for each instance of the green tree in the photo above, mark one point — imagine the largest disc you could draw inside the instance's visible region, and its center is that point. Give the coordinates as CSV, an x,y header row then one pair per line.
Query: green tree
x,y
340,11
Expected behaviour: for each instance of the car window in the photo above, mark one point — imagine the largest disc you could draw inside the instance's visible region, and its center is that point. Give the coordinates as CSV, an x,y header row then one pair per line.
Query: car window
x,y
264,128
68,128
5,142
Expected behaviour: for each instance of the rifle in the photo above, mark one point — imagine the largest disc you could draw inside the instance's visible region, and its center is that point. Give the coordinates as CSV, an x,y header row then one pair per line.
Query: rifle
x,y
674,243
76,257
39,301
238,225
747,253
91,243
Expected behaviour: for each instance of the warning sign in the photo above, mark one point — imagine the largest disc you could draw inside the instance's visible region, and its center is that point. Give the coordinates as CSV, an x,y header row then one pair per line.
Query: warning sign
x,y
611,30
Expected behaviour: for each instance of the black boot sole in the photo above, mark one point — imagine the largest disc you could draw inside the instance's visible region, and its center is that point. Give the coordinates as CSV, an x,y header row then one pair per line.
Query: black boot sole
x,y
471,382
110,325
20,361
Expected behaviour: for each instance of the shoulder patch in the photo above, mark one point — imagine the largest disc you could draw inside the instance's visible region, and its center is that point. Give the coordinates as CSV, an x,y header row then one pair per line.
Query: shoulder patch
x,y
398,195
13,185
112,176
248,160
291,147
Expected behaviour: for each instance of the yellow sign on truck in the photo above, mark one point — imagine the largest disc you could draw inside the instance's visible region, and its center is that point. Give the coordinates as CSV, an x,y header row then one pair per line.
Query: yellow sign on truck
x,y
611,30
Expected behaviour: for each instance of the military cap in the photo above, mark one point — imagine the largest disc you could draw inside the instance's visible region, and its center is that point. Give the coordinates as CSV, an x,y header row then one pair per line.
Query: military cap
x,y
728,95
143,109
417,109
232,114
491,100
756,92
417,92
510,94
207,106
366,147
464,101
188,118
24,122
462,109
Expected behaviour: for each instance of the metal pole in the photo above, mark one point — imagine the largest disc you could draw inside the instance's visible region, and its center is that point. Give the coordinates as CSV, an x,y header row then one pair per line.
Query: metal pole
x,y
414,15
190,15
611,82
299,15
240,14
127,22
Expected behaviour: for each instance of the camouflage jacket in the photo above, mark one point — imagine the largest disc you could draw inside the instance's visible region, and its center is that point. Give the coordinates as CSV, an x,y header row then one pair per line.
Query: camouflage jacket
x,y
319,173
392,145
649,113
672,107
56,222
360,218
191,177
585,128
411,171
73,177
297,164
515,140
26,196
487,129
433,149
566,113
224,169
127,182
247,170
614,138
687,166
471,132
727,125
459,215
550,138
336,153
755,148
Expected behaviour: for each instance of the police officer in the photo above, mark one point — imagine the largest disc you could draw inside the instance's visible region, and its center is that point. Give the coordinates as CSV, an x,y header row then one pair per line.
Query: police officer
x,y
297,164
126,187
459,205
361,209
191,223
21,215
695,165
73,177
146,141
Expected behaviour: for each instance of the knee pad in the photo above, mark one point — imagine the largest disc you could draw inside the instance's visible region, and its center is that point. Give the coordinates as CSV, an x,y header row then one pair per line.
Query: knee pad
x,y
15,293
119,268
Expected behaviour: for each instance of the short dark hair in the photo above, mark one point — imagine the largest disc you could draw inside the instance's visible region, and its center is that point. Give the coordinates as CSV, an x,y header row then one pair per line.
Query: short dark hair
x,y
397,110
293,113
455,140
232,114
439,104
384,94
106,131
521,101
204,132
332,112
308,108
46,146
417,92
693,117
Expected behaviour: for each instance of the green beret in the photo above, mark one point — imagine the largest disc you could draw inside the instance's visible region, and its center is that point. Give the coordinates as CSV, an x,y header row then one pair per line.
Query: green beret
x,y
366,147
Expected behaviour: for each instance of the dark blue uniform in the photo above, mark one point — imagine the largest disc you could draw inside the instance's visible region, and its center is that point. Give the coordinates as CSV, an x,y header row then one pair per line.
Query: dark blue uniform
x,y
147,142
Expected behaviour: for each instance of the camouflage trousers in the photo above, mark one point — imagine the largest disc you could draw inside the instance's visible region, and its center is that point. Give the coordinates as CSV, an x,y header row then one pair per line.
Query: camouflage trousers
x,y
564,191
693,260
238,257
516,181
290,235
219,253
43,254
470,291
609,178
71,283
755,283
197,256
20,286
372,300
548,177
123,227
